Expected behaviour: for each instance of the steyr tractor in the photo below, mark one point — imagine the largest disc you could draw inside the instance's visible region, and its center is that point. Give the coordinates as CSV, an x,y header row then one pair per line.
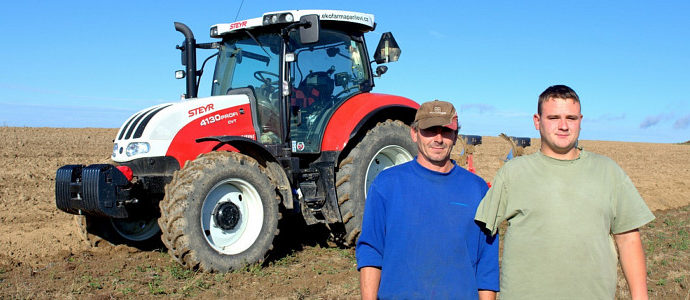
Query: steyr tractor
x,y
291,127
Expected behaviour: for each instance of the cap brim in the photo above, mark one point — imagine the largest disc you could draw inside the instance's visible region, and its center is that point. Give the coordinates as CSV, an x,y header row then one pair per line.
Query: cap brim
x,y
431,122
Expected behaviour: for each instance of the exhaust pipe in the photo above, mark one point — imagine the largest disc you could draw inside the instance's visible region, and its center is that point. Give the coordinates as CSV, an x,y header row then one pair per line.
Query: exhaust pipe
x,y
188,58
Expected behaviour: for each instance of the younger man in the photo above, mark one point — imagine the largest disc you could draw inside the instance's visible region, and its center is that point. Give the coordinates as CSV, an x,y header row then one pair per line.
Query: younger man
x,y
565,208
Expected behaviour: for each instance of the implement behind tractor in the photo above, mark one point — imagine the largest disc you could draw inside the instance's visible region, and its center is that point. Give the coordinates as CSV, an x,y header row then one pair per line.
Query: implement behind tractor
x,y
464,150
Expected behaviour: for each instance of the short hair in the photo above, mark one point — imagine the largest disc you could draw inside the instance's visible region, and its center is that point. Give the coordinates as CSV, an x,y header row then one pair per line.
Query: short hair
x,y
557,91
415,125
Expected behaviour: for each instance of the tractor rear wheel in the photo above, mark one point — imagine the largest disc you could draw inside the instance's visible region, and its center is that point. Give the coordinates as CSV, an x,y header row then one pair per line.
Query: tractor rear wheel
x,y
385,145
220,213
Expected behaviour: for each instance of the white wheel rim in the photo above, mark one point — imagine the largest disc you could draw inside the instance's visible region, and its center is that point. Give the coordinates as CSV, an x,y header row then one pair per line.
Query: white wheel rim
x,y
136,229
385,158
247,230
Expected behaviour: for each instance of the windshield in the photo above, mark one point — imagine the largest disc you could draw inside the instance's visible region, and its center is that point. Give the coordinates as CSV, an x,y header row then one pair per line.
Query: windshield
x,y
323,75
243,63
245,67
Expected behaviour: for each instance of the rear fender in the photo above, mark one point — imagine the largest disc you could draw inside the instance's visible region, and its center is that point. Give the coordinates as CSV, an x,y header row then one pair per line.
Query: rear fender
x,y
359,112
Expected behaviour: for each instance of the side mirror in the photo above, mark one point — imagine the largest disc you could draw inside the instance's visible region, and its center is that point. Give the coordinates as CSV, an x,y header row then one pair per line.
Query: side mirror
x,y
309,29
387,50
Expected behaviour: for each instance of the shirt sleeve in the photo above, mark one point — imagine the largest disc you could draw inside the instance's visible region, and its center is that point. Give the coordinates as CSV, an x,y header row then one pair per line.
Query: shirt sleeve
x,y
631,212
487,265
369,249
492,208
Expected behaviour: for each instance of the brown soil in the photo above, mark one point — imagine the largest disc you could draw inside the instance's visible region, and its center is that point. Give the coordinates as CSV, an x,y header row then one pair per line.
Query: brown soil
x,y
42,256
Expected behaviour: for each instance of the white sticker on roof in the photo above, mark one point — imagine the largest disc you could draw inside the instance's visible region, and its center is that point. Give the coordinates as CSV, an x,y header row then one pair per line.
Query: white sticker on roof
x,y
347,16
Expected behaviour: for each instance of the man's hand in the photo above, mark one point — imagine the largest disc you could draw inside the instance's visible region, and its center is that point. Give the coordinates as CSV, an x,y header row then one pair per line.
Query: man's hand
x,y
633,263
369,279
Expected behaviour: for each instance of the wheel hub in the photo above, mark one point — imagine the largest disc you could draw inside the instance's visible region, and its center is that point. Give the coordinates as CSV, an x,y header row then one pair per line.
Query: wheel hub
x,y
232,216
386,157
227,215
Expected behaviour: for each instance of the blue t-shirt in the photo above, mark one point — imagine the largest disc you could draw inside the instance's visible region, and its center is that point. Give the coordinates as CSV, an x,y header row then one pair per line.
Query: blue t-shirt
x,y
418,227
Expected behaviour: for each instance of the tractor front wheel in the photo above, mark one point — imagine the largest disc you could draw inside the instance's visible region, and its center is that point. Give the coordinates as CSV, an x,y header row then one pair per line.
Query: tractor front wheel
x,y
220,213
142,233
385,145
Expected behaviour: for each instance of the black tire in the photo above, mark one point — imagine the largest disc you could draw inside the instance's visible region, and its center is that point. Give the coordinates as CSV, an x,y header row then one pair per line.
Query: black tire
x,y
103,231
239,206
388,143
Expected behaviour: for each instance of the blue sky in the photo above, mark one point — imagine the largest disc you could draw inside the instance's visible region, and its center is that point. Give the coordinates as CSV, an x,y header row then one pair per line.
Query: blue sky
x,y
94,63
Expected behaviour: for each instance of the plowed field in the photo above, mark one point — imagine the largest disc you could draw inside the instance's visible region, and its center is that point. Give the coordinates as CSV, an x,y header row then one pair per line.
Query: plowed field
x,y
42,256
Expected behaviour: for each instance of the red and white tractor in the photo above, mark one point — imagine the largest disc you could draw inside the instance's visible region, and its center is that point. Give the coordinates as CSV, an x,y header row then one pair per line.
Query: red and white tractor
x,y
291,127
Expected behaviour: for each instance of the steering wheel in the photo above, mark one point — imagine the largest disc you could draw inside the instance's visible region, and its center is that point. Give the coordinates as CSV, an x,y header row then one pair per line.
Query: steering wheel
x,y
261,76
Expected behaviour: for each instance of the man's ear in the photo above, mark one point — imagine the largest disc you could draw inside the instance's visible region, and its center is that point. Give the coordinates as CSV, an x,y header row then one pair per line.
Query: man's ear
x,y
536,120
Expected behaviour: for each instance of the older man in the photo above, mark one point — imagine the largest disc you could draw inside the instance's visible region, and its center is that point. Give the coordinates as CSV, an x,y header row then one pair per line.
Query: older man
x,y
419,238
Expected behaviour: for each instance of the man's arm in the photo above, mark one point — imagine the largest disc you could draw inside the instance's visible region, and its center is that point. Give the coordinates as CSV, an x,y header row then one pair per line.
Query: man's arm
x,y
370,245
633,262
369,278
487,295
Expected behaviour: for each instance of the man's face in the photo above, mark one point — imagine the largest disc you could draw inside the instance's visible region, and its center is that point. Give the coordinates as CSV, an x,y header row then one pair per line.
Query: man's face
x,y
559,126
434,145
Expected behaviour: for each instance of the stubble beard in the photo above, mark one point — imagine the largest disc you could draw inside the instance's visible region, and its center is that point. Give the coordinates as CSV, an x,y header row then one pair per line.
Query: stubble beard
x,y
438,158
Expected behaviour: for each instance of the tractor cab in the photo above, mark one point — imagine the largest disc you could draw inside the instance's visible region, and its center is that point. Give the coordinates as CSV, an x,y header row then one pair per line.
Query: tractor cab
x,y
297,68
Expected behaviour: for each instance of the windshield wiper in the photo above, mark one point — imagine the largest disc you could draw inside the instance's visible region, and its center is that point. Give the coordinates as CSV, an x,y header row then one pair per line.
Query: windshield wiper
x,y
260,45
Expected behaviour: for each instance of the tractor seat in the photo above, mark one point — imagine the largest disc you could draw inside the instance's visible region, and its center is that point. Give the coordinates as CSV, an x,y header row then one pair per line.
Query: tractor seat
x,y
316,87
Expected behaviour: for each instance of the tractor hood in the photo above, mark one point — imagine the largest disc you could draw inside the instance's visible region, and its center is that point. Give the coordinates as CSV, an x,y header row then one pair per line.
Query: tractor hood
x,y
151,131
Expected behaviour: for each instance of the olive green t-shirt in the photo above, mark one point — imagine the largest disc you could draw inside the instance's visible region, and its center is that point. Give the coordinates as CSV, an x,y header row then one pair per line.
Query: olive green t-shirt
x,y
561,216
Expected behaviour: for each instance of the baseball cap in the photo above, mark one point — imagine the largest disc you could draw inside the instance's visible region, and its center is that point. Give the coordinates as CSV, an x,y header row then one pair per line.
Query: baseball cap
x,y
437,113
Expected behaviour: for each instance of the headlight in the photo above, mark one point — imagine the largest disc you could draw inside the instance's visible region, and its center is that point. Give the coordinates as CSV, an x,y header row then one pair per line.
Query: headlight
x,y
114,150
137,148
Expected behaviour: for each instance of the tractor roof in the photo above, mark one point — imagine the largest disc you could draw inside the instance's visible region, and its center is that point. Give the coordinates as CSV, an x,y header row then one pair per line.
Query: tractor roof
x,y
360,20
